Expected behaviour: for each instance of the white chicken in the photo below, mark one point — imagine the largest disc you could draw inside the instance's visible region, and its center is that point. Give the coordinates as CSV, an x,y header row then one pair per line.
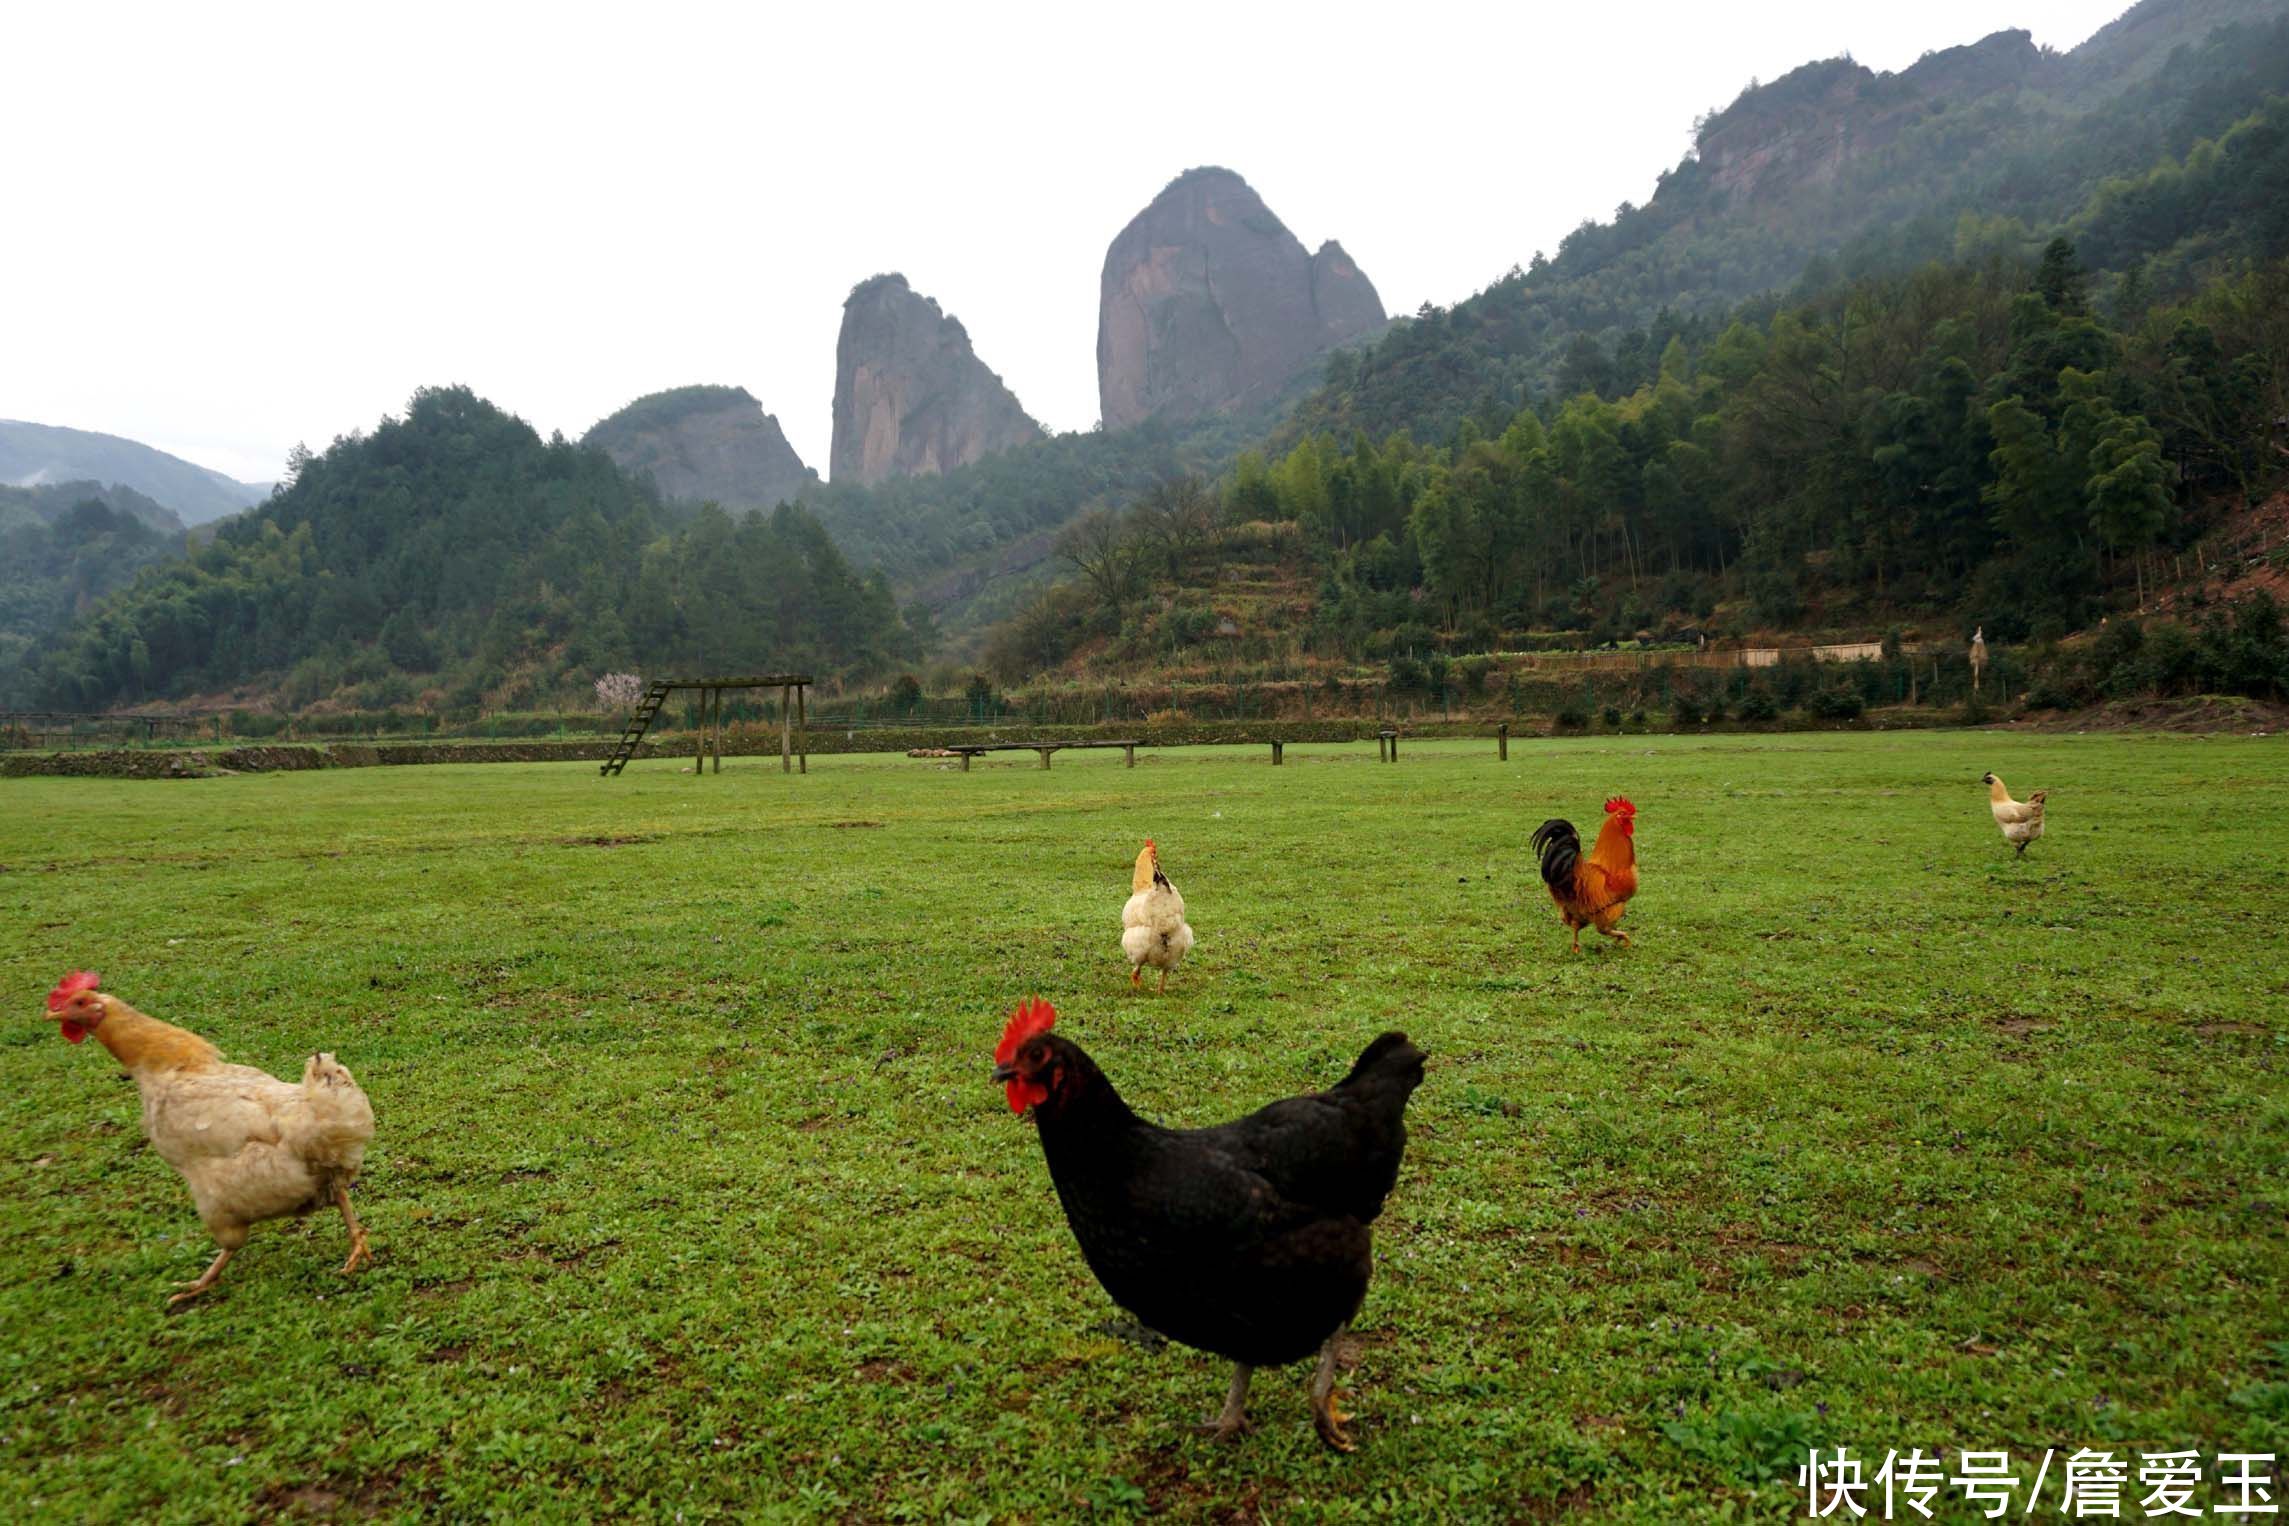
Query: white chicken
x,y
249,1146
1153,929
2021,820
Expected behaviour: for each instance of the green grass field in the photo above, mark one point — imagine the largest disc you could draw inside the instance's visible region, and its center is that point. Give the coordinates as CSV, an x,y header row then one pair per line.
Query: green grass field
x,y
691,1198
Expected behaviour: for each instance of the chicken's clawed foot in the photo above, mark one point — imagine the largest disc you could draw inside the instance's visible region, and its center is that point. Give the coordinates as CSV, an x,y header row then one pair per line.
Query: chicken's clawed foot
x,y
1233,1420
1328,1420
360,1253
1326,1416
199,1284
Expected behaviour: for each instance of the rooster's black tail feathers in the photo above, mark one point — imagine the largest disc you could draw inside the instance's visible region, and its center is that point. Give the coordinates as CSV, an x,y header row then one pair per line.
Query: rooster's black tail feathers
x,y
1560,848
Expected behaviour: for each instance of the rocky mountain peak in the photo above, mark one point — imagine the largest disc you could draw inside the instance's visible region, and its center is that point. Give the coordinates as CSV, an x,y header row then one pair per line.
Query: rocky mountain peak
x,y
706,444
1208,303
911,396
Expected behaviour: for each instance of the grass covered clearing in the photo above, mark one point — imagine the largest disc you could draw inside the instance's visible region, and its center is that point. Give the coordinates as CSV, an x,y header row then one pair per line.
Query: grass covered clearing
x,y
691,1194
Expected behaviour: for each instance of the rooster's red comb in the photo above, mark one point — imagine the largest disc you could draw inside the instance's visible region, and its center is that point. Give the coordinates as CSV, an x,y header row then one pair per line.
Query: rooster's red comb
x,y
1619,806
1032,1018
70,986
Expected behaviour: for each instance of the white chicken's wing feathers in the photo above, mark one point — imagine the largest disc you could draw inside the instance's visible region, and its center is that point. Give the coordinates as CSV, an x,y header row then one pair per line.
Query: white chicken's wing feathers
x,y
1154,931
252,1147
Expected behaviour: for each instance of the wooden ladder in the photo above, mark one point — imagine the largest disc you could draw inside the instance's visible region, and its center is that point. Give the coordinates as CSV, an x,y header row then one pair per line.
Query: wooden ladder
x,y
638,723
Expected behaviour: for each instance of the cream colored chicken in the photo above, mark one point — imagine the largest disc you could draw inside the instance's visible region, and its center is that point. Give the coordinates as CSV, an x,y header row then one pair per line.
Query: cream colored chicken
x,y
1153,929
249,1146
2020,820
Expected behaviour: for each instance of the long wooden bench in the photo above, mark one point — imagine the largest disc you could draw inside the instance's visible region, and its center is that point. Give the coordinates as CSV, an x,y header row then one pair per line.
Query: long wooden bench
x,y
969,750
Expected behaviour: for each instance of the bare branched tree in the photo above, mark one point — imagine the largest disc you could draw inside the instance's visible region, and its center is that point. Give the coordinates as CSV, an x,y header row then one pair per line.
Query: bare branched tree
x,y
1177,520
1101,547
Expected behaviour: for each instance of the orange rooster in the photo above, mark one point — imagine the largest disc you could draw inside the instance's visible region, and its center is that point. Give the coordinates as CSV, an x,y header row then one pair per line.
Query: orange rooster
x,y
1593,891
249,1146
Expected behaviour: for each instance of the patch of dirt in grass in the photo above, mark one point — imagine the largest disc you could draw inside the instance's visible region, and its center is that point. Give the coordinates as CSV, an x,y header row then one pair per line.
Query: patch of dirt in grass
x,y
359,1499
1568,1501
2020,1026
848,825
307,1501
883,1370
453,1353
604,842
2222,1030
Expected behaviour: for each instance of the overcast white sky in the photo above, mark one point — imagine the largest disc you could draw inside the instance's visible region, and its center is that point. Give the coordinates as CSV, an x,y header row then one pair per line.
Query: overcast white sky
x,y
232,227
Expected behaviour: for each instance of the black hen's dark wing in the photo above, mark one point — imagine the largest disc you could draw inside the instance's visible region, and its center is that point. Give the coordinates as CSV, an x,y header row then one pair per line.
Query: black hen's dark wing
x,y
1337,1151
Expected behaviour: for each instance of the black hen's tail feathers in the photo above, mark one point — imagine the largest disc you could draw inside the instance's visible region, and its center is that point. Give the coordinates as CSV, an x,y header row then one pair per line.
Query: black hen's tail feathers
x,y
1392,1057
1560,849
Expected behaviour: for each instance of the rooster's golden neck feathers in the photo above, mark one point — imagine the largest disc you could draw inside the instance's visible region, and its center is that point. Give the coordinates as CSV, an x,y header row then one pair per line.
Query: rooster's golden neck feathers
x,y
1148,868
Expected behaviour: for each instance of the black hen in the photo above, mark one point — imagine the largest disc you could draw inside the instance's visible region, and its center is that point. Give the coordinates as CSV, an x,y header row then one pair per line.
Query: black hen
x,y
1249,1240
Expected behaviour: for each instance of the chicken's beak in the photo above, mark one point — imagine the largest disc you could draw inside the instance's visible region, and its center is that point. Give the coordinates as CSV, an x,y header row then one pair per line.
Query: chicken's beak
x,y
1004,1074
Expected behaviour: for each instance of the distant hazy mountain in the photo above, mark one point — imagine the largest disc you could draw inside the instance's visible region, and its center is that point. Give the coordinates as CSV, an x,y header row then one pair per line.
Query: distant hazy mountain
x,y
35,454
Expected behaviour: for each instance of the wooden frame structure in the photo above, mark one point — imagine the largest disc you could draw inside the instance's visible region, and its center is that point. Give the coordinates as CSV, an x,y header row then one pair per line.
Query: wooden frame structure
x,y
794,731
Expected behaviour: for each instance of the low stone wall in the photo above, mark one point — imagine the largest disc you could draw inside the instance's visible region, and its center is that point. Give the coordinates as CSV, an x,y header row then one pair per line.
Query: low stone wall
x,y
205,762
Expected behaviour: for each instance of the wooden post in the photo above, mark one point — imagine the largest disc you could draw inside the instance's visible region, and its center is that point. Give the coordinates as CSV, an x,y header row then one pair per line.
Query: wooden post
x,y
1502,741
1276,749
1132,752
786,729
1045,752
966,762
699,738
715,743
802,734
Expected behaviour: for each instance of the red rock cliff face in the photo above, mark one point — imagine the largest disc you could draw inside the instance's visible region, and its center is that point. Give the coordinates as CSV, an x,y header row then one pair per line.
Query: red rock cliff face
x,y
1209,303
911,397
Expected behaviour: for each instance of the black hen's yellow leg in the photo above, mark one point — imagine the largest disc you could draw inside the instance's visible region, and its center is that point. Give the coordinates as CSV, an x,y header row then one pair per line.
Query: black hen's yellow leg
x,y
1234,1419
1327,1417
205,1280
359,1254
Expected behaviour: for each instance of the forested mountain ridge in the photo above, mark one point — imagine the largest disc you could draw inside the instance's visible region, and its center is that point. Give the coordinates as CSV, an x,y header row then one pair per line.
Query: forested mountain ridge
x,y
1975,443
455,559
64,546
33,454
1834,171
1831,172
